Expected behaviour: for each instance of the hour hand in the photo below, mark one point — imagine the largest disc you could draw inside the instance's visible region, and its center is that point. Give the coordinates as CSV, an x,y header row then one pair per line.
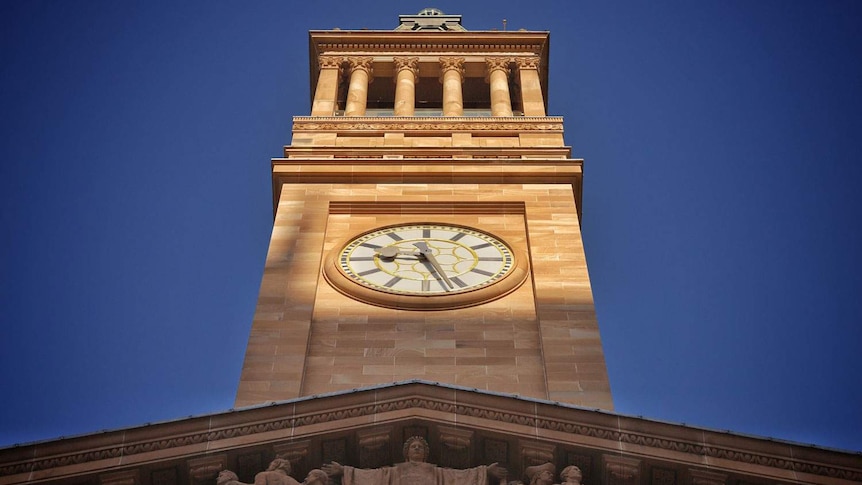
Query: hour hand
x,y
393,251
426,252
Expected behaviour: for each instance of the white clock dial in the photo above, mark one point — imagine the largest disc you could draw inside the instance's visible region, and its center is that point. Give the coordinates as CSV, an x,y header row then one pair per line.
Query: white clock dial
x,y
425,259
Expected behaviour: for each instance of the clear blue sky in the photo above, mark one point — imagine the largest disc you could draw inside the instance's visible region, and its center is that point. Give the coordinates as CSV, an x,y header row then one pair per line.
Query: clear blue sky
x,y
721,204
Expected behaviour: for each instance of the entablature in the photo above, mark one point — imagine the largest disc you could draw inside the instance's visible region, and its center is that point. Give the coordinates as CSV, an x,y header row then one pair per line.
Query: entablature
x,y
416,124
375,41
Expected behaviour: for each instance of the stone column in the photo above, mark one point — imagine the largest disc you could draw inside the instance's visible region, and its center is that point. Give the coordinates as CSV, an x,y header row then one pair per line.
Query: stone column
x,y
405,85
326,92
498,77
531,87
452,69
357,92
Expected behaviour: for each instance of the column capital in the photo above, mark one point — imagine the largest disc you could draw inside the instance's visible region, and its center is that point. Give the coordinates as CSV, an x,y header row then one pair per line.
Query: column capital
x,y
531,62
452,64
498,63
330,62
360,63
409,63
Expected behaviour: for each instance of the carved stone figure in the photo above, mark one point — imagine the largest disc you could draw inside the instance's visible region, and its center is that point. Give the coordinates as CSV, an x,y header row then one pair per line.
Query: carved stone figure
x,y
316,477
571,475
227,477
278,473
541,474
416,471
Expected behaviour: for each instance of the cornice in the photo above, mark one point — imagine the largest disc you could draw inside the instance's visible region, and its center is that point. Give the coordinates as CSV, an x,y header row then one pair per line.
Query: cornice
x,y
606,430
442,154
547,124
427,42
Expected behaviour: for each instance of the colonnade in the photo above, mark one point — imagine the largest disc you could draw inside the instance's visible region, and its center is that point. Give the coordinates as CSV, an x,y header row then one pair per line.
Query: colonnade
x,y
360,72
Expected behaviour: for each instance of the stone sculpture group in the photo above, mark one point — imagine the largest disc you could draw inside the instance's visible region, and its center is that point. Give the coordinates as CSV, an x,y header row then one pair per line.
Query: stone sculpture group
x,y
415,470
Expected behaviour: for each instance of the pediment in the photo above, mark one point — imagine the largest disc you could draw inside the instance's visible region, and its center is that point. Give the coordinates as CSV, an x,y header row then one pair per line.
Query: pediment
x,y
465,428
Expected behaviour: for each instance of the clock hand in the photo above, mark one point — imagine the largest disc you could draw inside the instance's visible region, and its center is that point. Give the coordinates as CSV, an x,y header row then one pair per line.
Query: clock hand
x,y
425,251
393,251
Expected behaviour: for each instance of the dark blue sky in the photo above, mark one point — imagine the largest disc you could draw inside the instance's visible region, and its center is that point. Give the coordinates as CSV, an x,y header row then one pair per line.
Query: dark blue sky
x,y
721,205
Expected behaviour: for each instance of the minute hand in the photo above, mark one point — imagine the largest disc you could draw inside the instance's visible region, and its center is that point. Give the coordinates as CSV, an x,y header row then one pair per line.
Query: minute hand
x,y
425,251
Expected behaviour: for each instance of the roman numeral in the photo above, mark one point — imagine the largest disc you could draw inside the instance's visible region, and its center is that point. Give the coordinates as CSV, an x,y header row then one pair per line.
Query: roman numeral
x,y
457,236
363,258
426,233
480,246
426,285
368,272
490,259
482,272
458,281
369,245
395,237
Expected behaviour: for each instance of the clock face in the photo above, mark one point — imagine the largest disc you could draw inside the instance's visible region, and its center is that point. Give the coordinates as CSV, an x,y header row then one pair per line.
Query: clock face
x,y
424,266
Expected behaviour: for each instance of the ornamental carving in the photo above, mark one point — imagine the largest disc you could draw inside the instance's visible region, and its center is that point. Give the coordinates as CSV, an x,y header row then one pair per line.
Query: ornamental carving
x,y
621,470
330,62
409,63
415,469
360,63
498,63
334,450
531,62
430,126
452,64
431,48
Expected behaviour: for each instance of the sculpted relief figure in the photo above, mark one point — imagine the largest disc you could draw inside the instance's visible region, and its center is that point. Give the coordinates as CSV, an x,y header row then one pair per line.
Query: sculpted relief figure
x,y
416,471
316,477
541,474
227,477
571,475
278,473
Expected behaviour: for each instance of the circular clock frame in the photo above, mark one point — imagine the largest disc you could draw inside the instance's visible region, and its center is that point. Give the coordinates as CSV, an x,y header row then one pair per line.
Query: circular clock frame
x,y
513,272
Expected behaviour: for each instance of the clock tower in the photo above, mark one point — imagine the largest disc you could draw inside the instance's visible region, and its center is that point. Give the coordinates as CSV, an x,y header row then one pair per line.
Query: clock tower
x,y
427,225
425,298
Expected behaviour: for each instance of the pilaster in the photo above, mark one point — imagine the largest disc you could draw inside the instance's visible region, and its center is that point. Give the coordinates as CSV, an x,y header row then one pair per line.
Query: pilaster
x,y
326,92
531,87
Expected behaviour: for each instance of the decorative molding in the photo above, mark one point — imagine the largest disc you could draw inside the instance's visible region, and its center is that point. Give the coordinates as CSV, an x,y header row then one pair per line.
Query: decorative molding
x,y
536,421
410,123
429,48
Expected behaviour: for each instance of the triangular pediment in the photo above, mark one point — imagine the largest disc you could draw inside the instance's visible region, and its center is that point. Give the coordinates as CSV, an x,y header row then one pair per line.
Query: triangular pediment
x,y
465,428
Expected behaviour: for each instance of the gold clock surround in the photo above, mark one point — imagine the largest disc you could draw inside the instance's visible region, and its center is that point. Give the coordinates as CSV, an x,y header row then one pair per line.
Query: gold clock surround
x,y
513,278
